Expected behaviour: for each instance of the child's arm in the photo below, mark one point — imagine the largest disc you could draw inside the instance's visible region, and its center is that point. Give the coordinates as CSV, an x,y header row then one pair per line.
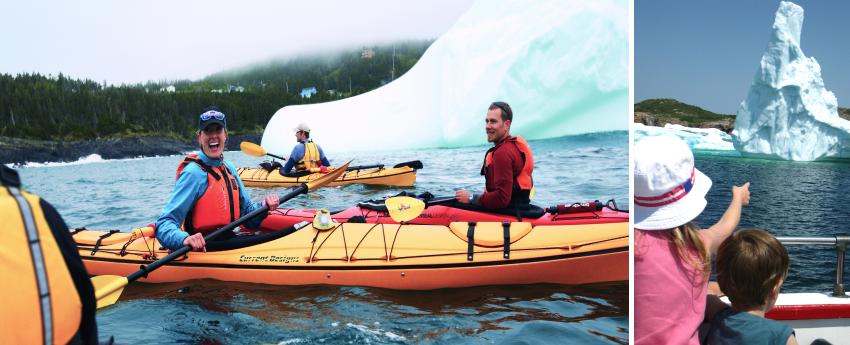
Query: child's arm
x,y
714,289
724,227
713,306
792,340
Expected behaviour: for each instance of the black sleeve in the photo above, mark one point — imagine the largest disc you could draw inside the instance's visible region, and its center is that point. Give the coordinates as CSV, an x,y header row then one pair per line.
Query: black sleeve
x,y
88,324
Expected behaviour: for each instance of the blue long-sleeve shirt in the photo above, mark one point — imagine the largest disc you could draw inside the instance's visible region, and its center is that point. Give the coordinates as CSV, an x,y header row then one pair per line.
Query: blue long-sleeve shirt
x,y
191,185
298,153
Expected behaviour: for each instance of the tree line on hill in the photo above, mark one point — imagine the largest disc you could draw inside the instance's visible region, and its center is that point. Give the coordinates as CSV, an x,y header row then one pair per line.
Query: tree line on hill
x,y
35,106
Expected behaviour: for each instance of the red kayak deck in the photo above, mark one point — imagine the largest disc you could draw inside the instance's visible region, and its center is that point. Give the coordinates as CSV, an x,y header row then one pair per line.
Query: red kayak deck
x,y
440,215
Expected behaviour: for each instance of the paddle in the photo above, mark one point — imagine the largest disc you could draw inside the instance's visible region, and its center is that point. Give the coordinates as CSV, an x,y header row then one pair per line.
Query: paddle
x,y
256,150
108,287
362,167
415,165
404,208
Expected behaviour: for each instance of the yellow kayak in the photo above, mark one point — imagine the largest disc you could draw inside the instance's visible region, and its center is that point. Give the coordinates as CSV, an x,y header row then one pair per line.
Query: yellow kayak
x,y
402,174
406,257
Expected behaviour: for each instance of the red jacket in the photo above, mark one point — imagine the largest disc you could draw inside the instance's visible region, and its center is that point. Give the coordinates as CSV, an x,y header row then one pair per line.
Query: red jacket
x,y
501,173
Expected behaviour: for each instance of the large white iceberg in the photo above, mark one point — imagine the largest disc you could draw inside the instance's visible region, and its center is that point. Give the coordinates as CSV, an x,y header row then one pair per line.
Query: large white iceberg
x,y
562,66
788,113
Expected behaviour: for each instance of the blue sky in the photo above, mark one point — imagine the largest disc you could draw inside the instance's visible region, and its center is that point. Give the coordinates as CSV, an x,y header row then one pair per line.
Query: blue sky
x,y
706,53
137,41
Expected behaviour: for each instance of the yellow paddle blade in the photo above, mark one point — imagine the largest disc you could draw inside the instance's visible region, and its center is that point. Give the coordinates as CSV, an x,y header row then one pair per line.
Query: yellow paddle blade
x,y
404,208
531,193
252,149
328,178
107,289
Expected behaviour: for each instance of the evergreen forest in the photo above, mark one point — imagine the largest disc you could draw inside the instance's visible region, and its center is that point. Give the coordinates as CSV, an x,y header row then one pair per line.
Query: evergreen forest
x,y
35,106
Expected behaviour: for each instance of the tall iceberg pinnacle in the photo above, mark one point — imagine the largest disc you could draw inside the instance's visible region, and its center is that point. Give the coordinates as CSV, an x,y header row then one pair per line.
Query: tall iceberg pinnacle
x,y
563,66
788,113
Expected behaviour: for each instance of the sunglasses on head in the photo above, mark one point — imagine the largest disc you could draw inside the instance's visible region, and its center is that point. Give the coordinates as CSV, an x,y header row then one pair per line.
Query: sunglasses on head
x,y
212,114
502,105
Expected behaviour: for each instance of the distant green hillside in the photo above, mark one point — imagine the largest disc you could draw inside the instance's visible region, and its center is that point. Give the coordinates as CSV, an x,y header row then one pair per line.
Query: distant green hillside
x,y
35,106
673,109
658,112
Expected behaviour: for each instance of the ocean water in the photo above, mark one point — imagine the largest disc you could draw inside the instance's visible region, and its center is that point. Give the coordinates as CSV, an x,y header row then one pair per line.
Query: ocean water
x,y
123,194
787,199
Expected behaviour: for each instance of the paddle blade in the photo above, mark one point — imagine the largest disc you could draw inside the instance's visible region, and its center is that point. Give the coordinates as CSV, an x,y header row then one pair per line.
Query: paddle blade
x,y
404,208
333,175
107,289
252,149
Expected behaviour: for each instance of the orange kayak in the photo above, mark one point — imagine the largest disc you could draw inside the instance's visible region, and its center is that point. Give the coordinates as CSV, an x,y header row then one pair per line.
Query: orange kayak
x,y
408,257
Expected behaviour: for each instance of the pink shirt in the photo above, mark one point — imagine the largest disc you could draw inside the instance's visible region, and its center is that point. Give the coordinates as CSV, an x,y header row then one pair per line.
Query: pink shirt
x,y
669,293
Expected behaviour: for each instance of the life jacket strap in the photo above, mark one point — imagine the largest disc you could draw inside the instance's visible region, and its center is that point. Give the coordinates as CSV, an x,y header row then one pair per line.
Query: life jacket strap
x,y
204,166
470,240
507,234
100,239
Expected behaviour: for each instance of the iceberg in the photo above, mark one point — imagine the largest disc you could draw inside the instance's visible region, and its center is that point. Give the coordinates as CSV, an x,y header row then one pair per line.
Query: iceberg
x,y
788,113
563,66
696,138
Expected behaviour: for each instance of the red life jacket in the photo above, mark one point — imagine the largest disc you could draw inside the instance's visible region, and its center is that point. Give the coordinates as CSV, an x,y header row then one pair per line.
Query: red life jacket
x,y
522,182
219,205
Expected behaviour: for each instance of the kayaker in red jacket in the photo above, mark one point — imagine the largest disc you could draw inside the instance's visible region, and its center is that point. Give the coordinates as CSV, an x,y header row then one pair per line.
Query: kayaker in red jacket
x,y
507,166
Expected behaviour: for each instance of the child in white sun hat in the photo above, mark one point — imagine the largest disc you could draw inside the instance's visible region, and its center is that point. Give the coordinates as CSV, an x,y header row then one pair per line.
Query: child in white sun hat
x,y
672,256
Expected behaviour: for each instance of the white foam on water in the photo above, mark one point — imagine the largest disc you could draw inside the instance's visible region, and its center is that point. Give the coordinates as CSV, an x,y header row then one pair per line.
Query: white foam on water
x,y
697,138
394,337
390,335
90,159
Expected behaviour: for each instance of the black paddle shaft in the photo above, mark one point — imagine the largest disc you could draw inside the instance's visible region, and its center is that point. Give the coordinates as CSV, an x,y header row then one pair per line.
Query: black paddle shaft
x,y
144,270
362,167
278,157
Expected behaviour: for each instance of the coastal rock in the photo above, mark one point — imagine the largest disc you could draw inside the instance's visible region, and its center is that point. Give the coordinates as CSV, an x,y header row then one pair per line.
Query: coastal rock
x,y
726,125
788,113
20,151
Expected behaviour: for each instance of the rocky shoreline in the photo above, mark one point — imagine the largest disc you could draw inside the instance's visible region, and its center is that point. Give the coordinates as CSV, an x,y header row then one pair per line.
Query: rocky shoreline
x,y
726,125
20,151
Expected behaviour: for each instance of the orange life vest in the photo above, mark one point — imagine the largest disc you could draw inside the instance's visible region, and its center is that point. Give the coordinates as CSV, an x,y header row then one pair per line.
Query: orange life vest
x,y
41,302
312,160
523,180
219,205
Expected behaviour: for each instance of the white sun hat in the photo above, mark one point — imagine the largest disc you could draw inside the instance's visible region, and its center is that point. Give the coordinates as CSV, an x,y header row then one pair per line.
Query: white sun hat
x,y
302,127
669,190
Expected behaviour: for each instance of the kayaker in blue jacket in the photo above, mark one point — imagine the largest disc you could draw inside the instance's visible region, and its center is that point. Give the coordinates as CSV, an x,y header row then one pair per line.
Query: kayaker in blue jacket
x,y
306,155
209,193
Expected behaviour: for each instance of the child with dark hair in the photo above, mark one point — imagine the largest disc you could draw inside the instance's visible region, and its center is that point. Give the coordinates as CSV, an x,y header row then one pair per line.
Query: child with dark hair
x,y
751,266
